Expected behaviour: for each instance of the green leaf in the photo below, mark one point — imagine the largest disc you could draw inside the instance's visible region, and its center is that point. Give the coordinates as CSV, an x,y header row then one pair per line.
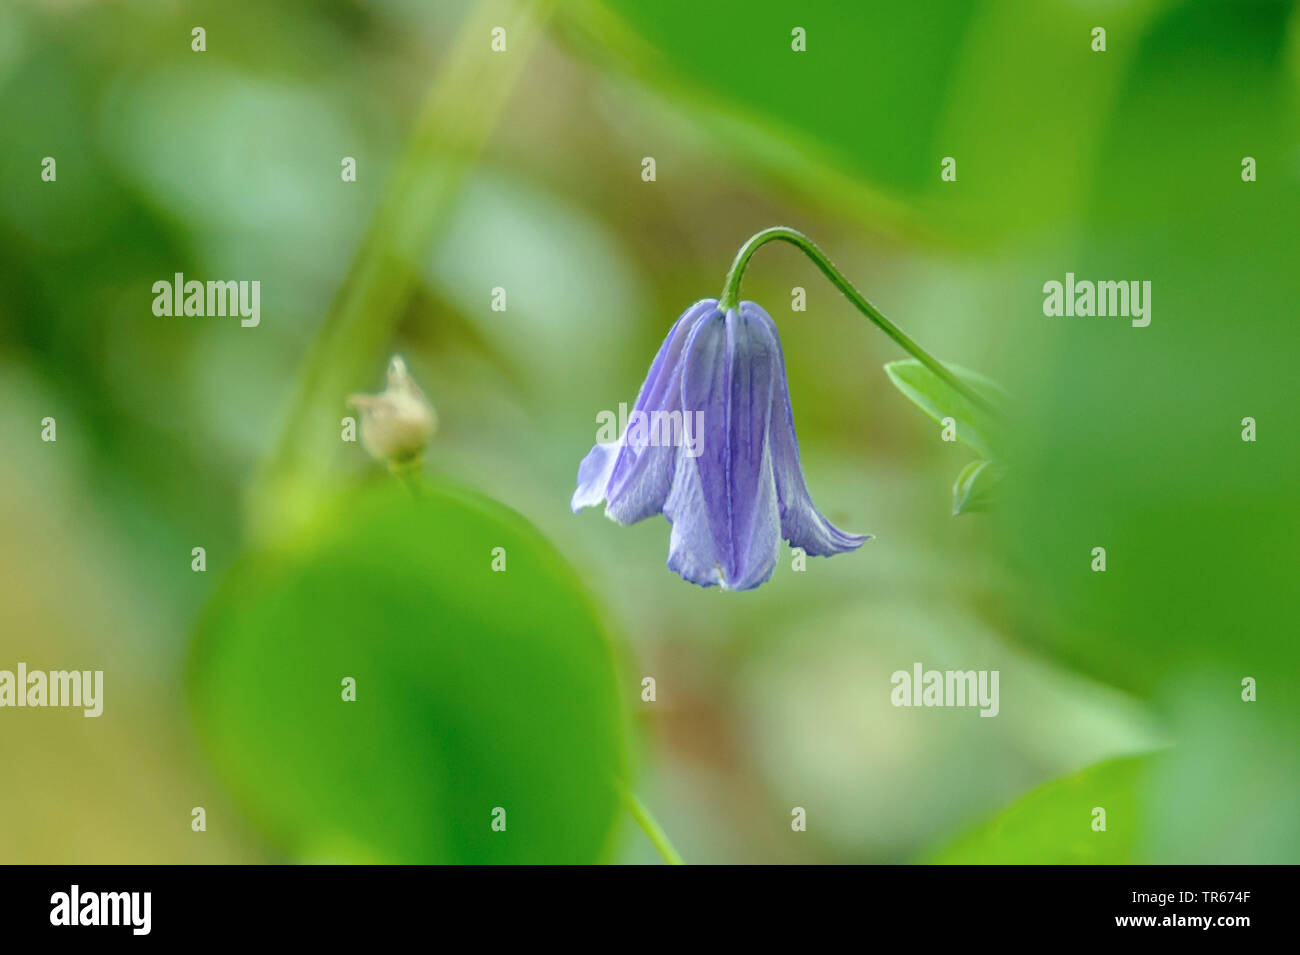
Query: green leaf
x,y
475,688
976,487
1054,823
883,138
975,428
874,157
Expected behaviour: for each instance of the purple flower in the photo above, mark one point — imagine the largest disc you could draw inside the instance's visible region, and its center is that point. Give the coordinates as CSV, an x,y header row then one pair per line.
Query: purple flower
x,y
734,488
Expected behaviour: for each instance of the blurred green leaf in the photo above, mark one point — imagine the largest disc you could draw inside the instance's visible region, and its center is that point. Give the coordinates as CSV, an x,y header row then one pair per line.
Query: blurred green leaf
x,y
475,689
861,118
975,428
1133,442
976,487
1053,824
748,58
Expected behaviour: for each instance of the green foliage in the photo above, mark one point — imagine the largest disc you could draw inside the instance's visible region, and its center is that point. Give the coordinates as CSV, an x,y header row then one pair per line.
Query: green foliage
x,y
977,484
744,56
1053,824
976,428
976,487
475,688
937,75
1132,438
1125,166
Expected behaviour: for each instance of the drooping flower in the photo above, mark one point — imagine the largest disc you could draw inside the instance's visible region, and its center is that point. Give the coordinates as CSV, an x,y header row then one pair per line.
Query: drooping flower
x,y
397,423
733,493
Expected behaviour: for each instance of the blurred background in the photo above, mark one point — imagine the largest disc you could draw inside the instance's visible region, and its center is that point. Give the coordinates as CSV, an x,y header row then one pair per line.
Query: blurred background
x,y
522,169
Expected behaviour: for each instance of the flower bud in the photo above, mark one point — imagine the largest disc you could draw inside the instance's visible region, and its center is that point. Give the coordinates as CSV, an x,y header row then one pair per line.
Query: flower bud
x,y
397,423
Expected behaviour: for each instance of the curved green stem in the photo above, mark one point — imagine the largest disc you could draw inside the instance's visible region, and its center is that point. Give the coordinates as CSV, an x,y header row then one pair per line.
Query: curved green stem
x,y
651,828
730,298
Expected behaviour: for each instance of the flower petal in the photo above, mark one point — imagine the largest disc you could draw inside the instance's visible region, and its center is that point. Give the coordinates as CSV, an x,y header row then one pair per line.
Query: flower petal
x,y
643,474
633,475
692,551
723,505
593,475
801,523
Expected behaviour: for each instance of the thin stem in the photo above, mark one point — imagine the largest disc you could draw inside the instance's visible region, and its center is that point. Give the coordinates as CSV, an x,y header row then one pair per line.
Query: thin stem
x,y
651,828
409,474
730,298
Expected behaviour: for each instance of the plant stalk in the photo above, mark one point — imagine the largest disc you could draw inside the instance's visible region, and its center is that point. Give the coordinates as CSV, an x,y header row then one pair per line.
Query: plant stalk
x,y
730,299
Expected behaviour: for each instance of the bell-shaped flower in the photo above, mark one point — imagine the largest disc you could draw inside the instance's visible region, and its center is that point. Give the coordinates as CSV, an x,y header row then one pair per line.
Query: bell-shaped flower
x,y
714,450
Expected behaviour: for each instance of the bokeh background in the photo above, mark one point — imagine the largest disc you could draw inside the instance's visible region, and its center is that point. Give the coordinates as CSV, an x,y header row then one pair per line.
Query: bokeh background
x,y
522,170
